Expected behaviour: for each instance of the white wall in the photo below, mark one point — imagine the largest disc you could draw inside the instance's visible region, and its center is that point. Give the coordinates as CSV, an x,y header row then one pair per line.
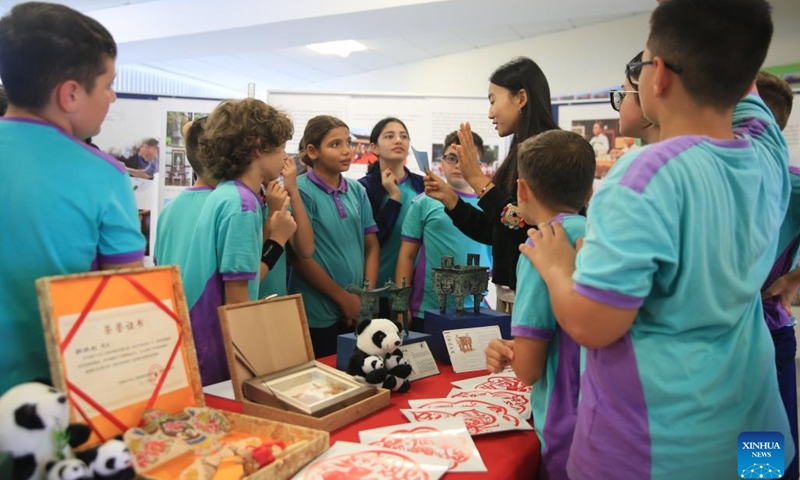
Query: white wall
x,y
579,60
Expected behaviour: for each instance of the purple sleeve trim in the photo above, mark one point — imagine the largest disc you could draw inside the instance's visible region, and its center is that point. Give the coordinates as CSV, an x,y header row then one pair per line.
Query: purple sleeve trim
x,y
236,276
794,171
120,258
612,299
410,239
531,332
372,229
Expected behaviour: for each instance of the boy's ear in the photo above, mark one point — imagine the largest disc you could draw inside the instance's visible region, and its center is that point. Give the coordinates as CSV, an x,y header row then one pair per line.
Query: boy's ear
x,y
662,78
68,95
523,192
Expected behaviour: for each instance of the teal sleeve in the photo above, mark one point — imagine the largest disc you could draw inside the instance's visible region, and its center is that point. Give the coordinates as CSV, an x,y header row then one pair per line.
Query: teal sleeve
x,y
239,246
414,223
121,239
532,316
627,240
368,224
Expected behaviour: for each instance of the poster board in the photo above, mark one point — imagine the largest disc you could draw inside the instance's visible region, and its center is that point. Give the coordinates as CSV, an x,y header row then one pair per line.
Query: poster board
x,y
429,119
131,120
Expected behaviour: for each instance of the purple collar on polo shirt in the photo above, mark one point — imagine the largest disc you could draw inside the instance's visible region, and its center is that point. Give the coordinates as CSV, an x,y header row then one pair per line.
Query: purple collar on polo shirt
x,y
108,158
198,189
337,200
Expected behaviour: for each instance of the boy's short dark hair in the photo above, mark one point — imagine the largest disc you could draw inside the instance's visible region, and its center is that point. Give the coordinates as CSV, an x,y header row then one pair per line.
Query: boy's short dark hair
x,y
718,45
3,102
237,128
193,135
44,45
452,138
559,167
778,96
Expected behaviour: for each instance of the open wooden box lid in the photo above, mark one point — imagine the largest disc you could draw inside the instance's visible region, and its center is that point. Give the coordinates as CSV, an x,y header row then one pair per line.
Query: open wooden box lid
x,y
120,342
270,335
117,343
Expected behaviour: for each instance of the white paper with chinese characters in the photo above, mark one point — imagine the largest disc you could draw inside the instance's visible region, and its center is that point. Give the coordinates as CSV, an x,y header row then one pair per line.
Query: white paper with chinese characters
x,y
448,439
118,355
466,345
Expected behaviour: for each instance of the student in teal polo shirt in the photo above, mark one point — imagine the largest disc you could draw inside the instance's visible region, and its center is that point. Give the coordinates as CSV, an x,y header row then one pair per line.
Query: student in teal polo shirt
x,y
346,249
243,146
556,172
665,293
390,188
428,234
67,207
177,221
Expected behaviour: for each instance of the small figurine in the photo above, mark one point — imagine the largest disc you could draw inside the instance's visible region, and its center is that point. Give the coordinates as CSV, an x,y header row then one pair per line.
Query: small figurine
x,y
369,299
399,297
460,281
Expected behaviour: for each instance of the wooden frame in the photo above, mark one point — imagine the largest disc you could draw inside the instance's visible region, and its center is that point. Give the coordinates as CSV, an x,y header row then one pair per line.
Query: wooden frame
x,y
93,298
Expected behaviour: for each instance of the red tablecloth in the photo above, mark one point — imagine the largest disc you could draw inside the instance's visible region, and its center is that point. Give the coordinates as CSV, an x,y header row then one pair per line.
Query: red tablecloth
x,y
509,455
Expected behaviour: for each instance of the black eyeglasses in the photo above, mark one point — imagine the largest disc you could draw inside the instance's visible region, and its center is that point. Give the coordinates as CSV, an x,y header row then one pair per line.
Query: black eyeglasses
x,y
633,69
450,158
617,96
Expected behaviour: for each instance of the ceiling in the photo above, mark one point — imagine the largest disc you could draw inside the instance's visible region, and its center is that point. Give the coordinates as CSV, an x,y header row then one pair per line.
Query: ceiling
x,y
235,42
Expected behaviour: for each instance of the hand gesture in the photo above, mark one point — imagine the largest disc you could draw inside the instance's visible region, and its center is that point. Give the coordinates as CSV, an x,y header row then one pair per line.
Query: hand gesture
x,y
281,224
467,153
275,196
289,173
499,354
350,305
550,249
389,182
438,189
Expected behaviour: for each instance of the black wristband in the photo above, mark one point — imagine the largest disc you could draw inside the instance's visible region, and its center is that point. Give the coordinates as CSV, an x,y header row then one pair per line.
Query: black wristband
x,y
271,253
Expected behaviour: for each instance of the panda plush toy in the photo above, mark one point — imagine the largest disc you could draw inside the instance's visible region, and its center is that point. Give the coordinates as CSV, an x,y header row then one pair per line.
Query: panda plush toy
x,y
109,461
68,469
377,359
35,430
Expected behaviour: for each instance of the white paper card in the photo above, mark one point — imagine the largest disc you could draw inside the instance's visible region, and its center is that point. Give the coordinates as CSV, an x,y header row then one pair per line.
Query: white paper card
x,y
466,345
354,461
520,402
421,359
501,381
494,405
479,419
118,355
447,439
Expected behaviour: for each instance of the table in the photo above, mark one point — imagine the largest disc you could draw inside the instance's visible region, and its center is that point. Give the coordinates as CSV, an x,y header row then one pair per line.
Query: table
x,y
507,455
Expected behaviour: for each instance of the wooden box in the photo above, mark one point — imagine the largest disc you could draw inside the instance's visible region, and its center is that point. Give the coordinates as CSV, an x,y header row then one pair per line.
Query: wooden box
x,y
121,342
267,336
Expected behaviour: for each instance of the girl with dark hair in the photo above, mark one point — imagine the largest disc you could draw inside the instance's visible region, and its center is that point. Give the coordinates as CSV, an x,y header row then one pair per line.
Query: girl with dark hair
x,y
346,250
390,188
519,98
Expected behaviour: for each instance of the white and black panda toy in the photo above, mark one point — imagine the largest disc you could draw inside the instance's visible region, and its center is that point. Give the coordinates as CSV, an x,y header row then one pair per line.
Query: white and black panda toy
x,y
109,461
35,430
377,359
69,469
